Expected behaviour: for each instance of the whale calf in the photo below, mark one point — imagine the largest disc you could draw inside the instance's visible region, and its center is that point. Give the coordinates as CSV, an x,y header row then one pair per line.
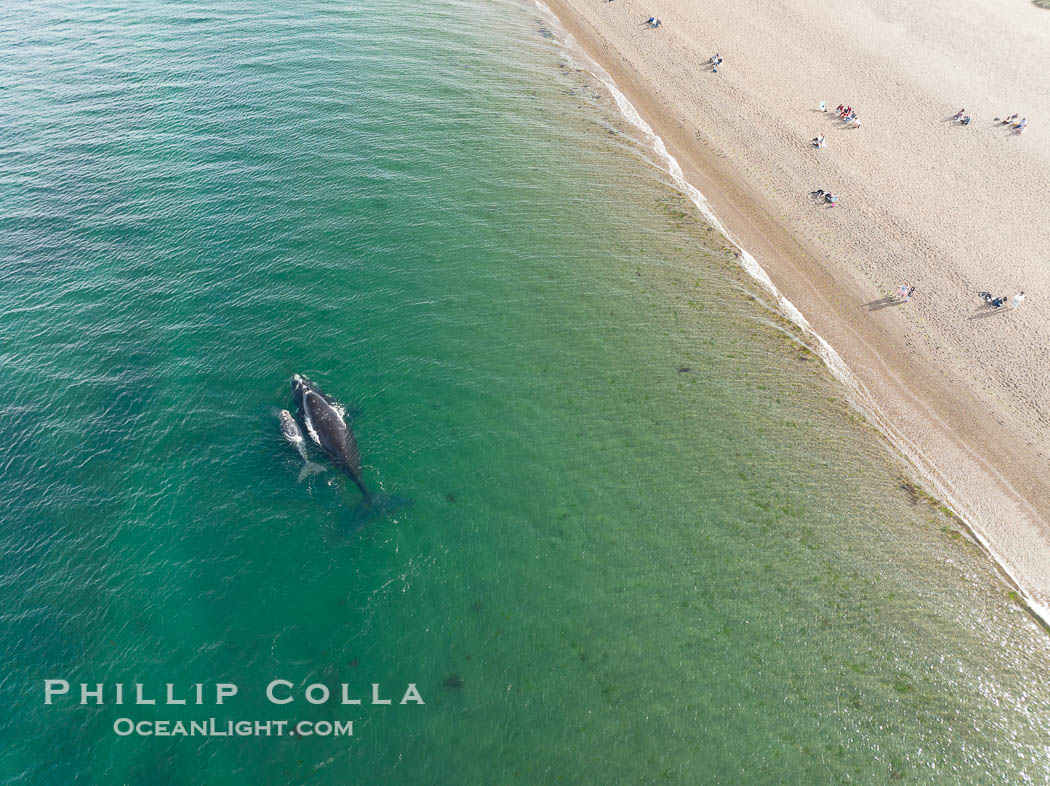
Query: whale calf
x,y
327,427
291,432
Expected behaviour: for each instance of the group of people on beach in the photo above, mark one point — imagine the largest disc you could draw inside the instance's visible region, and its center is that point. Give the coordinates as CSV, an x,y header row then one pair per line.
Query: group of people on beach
x,y
825,196
904,292
847,115
1018,125
999,302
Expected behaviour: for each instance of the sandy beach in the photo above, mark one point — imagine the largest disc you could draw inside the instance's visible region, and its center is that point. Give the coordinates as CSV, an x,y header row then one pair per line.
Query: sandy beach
x,y
961,388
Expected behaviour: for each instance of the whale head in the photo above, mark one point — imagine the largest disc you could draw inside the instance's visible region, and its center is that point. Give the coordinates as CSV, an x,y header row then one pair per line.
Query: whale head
x,y
299,386
289,427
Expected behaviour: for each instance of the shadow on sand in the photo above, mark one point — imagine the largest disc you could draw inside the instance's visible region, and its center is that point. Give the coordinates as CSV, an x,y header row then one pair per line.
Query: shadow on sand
x,y
884,302
988,311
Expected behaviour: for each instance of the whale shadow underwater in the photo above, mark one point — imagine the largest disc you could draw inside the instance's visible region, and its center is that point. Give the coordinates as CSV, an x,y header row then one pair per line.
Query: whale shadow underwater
x,y
326,426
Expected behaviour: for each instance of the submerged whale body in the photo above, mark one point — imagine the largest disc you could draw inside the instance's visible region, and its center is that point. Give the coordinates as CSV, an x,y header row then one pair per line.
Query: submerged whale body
x,y
327,427
291,432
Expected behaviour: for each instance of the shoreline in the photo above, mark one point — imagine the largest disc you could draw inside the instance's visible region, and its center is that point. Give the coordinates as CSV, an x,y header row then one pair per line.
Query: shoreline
x,y
994,486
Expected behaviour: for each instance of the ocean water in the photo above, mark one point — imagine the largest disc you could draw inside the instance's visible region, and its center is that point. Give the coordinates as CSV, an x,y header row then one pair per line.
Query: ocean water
x,y
645,536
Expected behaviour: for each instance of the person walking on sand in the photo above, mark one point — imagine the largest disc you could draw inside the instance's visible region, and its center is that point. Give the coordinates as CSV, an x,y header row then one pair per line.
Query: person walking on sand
x,y
823,107
902,292
818,141
1018,299
959,114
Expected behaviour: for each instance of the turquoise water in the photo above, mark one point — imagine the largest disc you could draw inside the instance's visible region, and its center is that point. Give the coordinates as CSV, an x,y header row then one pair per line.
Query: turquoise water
x,y
649,540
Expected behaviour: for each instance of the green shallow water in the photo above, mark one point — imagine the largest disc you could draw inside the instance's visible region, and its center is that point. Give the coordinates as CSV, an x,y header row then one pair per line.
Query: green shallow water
x,y
649,540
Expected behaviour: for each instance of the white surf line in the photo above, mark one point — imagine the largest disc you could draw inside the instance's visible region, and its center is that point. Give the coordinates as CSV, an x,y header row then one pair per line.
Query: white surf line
x,y
859,395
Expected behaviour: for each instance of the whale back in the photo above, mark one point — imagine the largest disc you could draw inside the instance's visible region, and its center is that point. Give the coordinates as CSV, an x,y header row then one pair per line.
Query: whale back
x,y
328,429
289,428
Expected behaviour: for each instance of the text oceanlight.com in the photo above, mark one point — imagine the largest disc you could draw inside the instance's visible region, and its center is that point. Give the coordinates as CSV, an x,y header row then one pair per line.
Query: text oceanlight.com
x,y
125,727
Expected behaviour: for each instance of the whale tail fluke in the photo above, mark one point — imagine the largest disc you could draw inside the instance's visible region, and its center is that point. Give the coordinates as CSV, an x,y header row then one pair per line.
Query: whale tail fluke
x,y
376,506
309,468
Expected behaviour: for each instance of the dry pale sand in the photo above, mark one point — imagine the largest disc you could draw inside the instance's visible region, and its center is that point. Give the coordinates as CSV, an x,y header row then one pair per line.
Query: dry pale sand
x,y
963,389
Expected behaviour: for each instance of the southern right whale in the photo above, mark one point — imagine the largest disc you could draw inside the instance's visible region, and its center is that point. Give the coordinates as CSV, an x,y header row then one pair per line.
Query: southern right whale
x,y
291,432
326,426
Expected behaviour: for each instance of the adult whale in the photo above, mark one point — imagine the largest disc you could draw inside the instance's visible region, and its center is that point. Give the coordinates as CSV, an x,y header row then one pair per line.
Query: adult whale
x,y
327,427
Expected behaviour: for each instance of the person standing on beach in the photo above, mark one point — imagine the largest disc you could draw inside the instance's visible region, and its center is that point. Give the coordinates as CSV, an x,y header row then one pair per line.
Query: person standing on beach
x,y
1018,299
902,292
